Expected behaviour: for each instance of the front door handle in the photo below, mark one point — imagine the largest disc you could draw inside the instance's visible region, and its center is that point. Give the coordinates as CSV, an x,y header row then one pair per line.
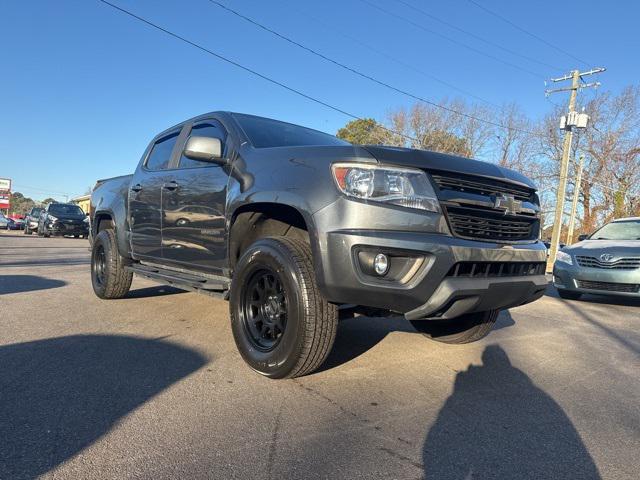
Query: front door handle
x,y
136,188
172,185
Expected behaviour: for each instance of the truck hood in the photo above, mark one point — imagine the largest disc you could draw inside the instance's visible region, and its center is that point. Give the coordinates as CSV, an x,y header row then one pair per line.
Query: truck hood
x,y
428,160
595,248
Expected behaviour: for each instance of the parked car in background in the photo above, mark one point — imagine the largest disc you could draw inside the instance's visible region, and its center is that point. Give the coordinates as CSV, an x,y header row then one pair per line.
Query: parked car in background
x,y
17,222
31,220
606,262
5,222
63,219
297,228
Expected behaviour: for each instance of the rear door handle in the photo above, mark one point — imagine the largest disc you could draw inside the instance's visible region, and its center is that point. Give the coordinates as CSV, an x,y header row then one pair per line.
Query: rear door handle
x,y
136,188
172,185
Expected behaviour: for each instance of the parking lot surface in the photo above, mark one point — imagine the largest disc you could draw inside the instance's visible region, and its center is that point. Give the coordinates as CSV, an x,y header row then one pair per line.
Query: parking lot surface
x,y
151,386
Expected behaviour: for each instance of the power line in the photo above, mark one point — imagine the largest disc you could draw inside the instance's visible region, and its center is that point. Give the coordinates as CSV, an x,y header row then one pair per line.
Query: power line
x,y
361,74
533,35
39,190
452,40
477,37
391,57
247,69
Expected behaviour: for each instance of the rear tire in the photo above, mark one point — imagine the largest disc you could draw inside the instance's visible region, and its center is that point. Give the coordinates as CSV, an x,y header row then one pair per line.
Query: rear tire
x,y
467,328
568,294
282,325
109,276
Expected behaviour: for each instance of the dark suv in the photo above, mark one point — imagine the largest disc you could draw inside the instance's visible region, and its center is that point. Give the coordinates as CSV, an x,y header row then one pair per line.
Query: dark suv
x,y
31,220
63,219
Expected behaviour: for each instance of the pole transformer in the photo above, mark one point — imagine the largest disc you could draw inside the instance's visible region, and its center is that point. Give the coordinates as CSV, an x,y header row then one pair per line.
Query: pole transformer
x,y
573,120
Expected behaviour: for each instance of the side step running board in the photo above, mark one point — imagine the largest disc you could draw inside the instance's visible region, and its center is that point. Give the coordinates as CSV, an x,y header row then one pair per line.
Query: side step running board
x,y
214,285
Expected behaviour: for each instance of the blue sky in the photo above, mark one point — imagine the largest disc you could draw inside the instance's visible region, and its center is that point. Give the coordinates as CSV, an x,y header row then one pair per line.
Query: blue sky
x,y
83,87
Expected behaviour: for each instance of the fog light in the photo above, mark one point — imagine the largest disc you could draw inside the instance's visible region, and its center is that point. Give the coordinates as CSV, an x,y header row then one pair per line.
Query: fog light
x,y
381,264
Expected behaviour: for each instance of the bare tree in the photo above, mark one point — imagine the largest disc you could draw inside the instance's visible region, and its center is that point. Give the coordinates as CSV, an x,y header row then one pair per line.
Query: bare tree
x,y
441,129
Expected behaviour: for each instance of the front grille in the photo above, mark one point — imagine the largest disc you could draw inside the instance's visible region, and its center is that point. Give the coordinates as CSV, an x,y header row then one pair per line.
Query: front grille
x,y
485,224
496,269
620,264
470,205
609,287
480,185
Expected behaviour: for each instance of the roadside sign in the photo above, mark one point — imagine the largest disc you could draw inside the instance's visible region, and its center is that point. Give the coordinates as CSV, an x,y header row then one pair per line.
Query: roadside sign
x,y
4,200
5,184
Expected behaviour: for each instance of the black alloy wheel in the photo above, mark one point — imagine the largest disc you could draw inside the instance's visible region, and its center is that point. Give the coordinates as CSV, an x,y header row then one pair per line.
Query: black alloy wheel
x,y
99,265
265,309
282,325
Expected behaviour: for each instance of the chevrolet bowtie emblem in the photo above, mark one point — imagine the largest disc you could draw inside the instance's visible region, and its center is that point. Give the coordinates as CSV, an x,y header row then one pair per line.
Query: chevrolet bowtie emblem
x,y
508,203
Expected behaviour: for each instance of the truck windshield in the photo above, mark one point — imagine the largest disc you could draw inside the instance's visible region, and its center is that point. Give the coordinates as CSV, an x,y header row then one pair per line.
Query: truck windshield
x,y
265,133
625,230
63,209
35,213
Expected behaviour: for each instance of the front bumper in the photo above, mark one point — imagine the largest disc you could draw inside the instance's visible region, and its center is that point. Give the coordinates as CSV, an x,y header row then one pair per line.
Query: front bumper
x,y
428,292
68,229
603,281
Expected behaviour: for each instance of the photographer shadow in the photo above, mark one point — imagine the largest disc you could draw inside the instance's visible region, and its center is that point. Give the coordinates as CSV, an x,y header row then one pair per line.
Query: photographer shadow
x,y
498,424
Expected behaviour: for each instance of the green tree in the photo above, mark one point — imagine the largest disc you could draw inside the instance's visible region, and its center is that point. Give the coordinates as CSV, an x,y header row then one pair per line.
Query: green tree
x,y
49,200
365,131
20,204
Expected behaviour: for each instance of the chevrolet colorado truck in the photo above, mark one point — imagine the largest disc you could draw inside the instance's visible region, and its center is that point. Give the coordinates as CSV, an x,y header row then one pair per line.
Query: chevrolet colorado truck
x,y
297,228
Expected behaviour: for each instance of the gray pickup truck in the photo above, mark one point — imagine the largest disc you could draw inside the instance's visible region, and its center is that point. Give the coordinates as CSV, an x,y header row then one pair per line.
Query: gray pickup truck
x,y
297,228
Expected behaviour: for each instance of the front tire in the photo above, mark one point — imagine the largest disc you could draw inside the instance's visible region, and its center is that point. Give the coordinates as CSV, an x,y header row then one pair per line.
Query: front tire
x,y
109,276
467,328
568,294
282,325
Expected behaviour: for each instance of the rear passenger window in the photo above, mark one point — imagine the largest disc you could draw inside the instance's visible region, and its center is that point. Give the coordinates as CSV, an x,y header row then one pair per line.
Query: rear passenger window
x,y
161,153
208,128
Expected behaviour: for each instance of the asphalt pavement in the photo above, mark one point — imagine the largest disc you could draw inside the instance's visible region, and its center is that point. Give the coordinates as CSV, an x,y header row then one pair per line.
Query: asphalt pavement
x,y
151,386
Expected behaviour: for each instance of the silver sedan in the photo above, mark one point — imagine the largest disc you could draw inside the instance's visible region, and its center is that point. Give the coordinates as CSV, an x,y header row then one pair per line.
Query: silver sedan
x,y
607,262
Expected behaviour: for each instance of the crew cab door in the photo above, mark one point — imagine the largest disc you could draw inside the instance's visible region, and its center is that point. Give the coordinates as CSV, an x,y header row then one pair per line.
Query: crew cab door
x,y
145,196
193,208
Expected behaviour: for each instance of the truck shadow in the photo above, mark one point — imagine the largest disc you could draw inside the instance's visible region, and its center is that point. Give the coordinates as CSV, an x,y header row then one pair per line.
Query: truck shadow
x,y
59,395
498,424
358,335
27,283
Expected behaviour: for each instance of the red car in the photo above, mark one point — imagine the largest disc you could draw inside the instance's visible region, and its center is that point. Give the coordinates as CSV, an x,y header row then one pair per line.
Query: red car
x,y
18,222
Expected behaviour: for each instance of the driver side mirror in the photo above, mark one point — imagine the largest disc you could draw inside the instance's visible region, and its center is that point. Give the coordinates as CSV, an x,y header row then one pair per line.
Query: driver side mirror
x,y
582,237
204,149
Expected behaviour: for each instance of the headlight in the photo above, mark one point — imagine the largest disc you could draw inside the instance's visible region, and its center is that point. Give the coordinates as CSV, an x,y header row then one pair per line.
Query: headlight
x,y
564,258
397,186
52,219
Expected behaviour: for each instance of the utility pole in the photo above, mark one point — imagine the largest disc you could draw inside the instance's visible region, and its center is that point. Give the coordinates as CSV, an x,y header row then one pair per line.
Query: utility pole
x,y
574,204
572,120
